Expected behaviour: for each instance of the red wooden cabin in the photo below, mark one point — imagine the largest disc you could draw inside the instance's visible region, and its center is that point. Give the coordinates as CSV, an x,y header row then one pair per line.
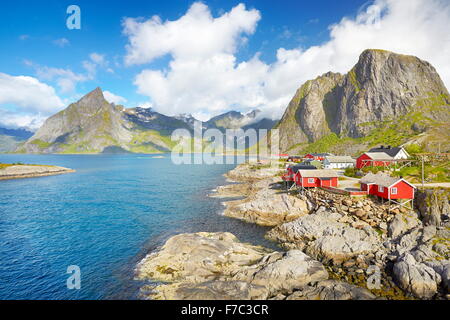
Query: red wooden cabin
x,y
316,178
293,169
317,156
372,159
387,187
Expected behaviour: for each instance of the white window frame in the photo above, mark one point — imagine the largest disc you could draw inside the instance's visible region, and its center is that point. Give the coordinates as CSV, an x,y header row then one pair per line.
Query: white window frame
x,y
380,189
394,190
311,180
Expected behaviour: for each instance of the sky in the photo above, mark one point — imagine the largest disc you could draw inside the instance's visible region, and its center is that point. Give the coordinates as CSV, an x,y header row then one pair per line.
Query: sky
x,y
202,58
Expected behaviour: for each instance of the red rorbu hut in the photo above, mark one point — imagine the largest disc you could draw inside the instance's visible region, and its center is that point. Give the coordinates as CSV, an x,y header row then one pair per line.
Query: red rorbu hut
x,y
316,178
317,156
387,187
374,159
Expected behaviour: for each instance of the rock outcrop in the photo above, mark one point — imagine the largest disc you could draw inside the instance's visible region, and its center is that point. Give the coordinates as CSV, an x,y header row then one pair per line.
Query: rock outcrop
x,y
415,277
268,205
401,223
31,171
332,290
218,266
433,204
322,236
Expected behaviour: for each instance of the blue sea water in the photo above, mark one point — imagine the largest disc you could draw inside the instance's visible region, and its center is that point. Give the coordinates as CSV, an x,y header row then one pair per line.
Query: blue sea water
x,y
104,218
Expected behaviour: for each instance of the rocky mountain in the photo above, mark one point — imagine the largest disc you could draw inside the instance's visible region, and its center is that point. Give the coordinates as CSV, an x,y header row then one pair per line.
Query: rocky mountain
x,y
386,98
237,120
92,125
187,118
11,138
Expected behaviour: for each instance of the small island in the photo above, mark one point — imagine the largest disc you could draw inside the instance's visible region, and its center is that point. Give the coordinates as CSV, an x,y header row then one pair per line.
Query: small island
x,y
19,170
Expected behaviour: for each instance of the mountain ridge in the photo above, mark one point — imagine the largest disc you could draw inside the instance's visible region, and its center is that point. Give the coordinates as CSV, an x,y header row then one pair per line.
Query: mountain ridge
x,y
93,125
354,109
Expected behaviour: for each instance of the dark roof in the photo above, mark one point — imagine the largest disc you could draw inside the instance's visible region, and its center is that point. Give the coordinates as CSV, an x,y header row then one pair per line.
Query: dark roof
x,y
392,151
302,167
382,179
321,154
382,156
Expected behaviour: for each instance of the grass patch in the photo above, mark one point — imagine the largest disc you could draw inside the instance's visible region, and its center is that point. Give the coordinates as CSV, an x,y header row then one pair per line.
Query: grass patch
x,y
41,144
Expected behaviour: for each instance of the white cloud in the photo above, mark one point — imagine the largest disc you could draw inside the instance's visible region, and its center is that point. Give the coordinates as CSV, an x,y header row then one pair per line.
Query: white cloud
x,y
112,98
65,78
62,42
196,34
204,76
97,58
25,102
25,120
28,94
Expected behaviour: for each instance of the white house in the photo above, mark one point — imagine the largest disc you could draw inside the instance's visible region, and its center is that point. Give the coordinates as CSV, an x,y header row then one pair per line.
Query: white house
x,y
339,162
395,152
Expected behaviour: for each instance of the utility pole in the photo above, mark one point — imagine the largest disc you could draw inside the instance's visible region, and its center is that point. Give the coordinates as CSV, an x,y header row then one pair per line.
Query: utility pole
x,y
423,175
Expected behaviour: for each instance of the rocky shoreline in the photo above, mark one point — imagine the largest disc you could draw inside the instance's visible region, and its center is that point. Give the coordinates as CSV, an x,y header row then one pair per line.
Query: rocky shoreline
x,y
337,247
31,171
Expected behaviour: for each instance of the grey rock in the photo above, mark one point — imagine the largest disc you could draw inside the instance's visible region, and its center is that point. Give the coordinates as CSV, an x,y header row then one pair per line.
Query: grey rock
x,y
326,237
218,266
401,224
416,278
292,271
216,290
428,233
332,290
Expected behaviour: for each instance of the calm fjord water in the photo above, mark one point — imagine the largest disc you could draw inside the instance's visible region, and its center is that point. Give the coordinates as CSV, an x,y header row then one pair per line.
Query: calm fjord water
x,y
103,218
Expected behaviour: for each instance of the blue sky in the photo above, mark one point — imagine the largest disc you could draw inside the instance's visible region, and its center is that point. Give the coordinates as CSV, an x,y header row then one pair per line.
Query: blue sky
x,y
262,55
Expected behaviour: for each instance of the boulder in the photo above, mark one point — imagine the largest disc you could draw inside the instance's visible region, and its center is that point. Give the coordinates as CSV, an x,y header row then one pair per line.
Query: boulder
x,y
401,223
292,270
433,203
416,278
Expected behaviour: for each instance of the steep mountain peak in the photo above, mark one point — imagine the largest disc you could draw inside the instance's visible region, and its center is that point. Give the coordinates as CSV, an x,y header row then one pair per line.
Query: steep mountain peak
x,y
93,98
253,113
382,88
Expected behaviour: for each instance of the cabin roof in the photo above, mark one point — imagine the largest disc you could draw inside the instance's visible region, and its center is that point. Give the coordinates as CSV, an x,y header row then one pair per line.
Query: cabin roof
x,y
340,159
391,151
379,156
382,179
322,173
325,154
297,167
